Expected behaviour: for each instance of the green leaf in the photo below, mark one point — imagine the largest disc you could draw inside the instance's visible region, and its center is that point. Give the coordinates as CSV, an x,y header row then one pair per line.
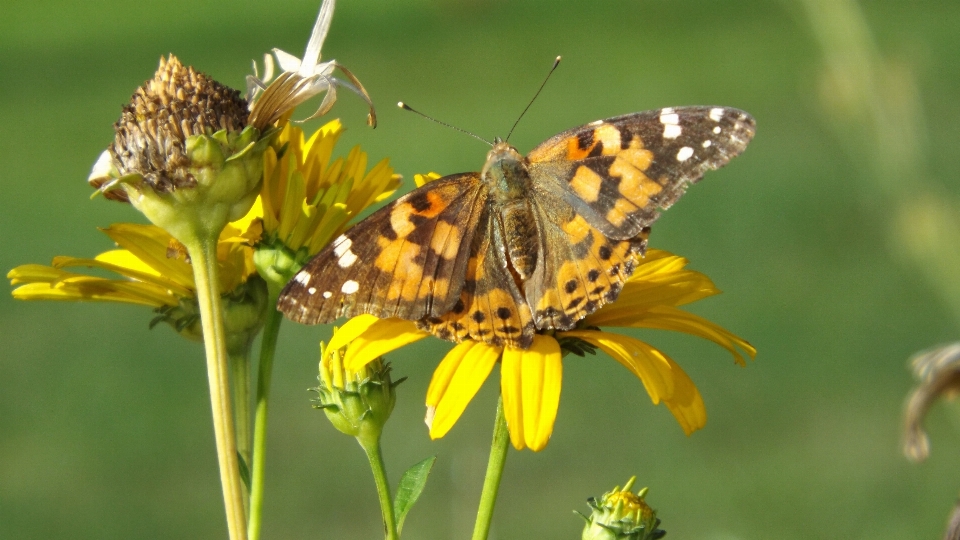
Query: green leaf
x,y
411,486
244,471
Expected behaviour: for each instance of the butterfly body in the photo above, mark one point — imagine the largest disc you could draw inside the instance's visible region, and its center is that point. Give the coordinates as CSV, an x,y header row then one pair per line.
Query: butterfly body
x,y
528,243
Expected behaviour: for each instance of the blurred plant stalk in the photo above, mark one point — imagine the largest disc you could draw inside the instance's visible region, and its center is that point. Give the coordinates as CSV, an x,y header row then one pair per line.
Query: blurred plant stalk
x,y
874,105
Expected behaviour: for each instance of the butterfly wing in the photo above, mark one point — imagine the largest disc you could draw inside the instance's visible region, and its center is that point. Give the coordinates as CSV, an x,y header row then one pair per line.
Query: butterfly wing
x,y
617,173
406,260
597,189
580,270
491,307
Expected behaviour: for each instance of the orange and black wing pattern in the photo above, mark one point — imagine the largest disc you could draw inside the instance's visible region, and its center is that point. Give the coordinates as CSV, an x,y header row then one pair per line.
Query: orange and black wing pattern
x,y
599,187
408,259
490,308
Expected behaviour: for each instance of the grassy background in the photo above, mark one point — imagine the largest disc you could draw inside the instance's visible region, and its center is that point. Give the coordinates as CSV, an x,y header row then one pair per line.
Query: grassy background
x,y
105,425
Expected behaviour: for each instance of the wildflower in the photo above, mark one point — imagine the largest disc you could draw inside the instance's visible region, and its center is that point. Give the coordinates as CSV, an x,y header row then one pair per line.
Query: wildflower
x,y
302,79
357,403
622,515
307,200
530,379
152,270
183,154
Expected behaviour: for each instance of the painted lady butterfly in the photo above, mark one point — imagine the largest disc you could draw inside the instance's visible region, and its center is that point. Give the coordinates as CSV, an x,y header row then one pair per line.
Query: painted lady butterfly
x,y
528,243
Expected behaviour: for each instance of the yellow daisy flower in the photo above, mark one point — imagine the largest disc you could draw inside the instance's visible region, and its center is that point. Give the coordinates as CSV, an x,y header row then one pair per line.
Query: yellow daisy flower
x,y
152,270
307,199
530,379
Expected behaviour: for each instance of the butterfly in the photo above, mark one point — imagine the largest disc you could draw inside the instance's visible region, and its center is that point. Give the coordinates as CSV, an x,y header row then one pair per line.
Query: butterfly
x,y
528,243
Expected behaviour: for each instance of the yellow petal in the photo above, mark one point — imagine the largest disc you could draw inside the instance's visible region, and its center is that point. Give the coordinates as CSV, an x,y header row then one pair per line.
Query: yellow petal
x,y
678,320
125,259
511,390
124,263
663,379
30,273
657,261
421,179
470,367
269,194
149,244
238,231
647,363
445,371
236,264
685,404
674,289
530,383
375,339
86,288
350,330
389,188
290,209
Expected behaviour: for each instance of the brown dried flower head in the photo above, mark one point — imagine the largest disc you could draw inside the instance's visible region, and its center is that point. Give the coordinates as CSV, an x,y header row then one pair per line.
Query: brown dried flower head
x,y
153,128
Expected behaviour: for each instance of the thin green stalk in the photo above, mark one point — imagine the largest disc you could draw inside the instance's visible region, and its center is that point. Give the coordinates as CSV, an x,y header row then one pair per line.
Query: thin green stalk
x,y
491,483
268,346
375,457
203,254
240,380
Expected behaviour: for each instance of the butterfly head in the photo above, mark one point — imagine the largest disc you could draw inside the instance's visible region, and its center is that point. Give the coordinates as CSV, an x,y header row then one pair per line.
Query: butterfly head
x,y
505,171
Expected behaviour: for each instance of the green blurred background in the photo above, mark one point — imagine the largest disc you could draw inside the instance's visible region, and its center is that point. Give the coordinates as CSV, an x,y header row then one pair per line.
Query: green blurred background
x,y
105,425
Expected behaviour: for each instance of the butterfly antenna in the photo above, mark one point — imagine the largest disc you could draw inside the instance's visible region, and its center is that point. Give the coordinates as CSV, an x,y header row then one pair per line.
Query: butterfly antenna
x,y
404,106
545,79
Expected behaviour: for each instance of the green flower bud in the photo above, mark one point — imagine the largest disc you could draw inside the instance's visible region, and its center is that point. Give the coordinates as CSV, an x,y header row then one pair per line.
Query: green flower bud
x,y
356,403
275,262
244,312
622,515
183,153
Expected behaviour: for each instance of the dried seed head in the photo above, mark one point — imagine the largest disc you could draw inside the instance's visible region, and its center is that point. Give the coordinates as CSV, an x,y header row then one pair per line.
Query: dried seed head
x,y
153,128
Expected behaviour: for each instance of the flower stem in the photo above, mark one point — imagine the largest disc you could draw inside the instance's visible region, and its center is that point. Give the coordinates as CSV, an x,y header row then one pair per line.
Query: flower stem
x,y
203,254
491,483
268,347
240,379
372,448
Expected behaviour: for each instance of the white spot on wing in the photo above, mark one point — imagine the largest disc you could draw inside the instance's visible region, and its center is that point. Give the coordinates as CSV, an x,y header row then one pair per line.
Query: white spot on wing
x,y
684,153
706,144
350,287
595,123
347,259
669,117
716,114
341,245
302,278
716,129
341,248
312,290
671,131
327,294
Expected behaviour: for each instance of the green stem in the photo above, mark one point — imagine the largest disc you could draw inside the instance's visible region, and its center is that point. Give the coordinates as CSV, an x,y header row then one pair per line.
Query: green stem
x,y
268,346
491,483
240,380
203,254
372,448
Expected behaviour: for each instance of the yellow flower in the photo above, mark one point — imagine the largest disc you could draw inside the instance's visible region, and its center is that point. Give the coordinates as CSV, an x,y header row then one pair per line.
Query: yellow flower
x,y
152,270
307,200
530,379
